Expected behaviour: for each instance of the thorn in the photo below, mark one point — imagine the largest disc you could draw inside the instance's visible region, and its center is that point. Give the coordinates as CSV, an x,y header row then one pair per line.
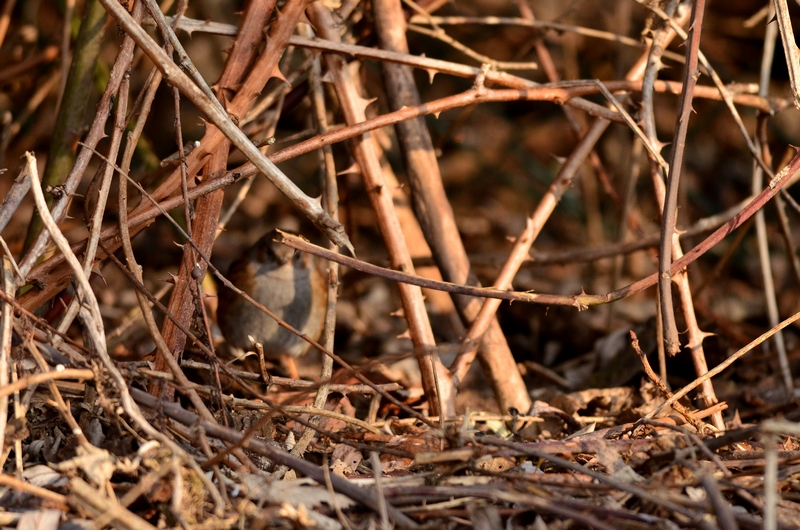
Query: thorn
x,y
431,73
276,72
352,169
705,335
364,103
580,306
96,271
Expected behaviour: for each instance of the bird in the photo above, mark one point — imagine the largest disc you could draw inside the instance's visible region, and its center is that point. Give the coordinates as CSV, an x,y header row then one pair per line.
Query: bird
x,y
289,283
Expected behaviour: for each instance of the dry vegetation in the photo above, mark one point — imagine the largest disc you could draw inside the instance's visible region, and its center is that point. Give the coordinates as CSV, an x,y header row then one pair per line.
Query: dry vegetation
x,y
635,221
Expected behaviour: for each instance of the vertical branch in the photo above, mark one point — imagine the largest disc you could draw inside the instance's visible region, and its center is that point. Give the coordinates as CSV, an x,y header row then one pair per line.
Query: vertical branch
x,y
436,215
186,293
78,84
330,198
789,47
93,137
436,381
6,323
95,224
691,73
695,335
757,182
5,18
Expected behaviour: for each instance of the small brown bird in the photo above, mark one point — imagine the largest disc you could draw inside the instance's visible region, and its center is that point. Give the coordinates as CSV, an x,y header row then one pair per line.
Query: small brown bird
x,y
289,283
